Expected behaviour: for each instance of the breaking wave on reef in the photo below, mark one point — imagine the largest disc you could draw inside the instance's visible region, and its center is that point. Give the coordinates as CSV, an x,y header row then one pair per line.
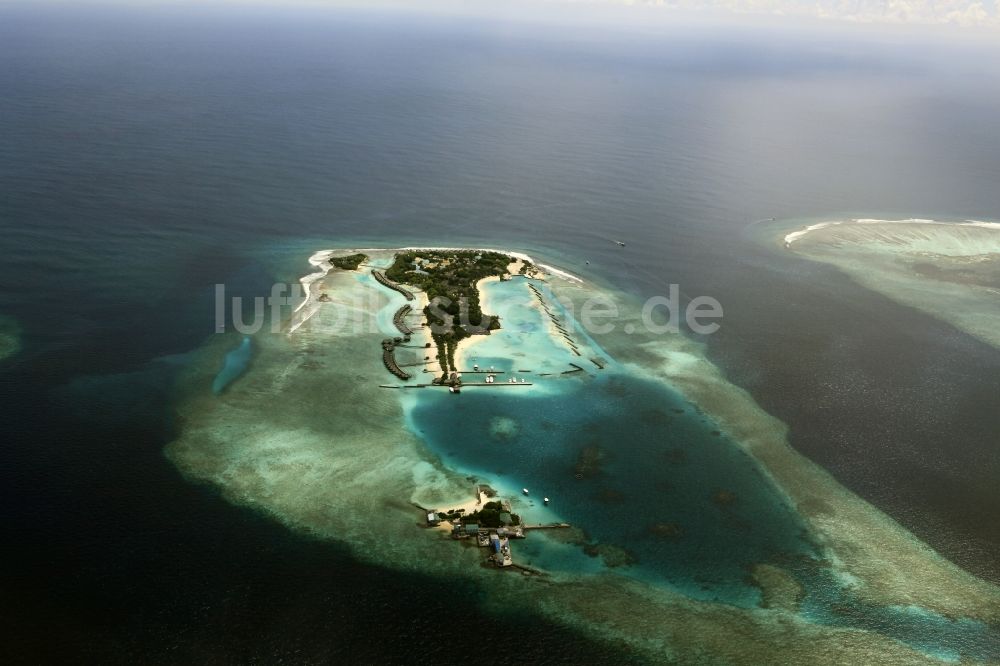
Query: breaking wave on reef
x,y
793,236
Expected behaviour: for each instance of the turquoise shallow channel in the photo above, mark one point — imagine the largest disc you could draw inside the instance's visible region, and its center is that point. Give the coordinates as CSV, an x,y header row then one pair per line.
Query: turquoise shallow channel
x,y
236,363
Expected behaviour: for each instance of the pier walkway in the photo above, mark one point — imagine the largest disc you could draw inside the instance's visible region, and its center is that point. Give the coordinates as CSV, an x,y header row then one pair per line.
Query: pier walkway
x,y
398,320
383,280
463,385
555,320
389,360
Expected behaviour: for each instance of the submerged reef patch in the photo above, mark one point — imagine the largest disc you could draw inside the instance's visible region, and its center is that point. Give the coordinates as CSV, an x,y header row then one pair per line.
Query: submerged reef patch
x,y
504,428
10,337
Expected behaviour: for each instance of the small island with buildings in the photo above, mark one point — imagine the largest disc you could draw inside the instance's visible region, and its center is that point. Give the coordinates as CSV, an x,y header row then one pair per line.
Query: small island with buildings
x,y
490,525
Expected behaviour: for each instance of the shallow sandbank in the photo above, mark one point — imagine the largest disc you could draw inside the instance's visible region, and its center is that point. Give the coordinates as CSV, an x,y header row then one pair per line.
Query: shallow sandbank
x,y
949,270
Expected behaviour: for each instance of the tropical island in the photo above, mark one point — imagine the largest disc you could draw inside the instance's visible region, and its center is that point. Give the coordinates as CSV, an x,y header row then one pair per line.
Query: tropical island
x,y
351,262
450,281
490,526
445,292
493,514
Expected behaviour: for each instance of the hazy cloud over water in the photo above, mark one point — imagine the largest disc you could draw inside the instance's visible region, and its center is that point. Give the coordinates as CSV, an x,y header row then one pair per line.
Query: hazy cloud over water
x,y
958,12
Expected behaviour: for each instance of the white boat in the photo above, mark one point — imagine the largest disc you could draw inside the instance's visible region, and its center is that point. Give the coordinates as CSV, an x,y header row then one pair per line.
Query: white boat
x,y
546,500
524,490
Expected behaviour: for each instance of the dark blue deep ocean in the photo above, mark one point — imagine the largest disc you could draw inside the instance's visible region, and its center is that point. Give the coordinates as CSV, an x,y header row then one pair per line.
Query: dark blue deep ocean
x,y
148,154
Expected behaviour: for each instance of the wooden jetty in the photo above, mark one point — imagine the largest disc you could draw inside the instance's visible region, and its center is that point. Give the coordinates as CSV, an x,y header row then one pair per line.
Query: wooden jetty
x,y
383,280
463,385
400,323
389,360
555,320
549,526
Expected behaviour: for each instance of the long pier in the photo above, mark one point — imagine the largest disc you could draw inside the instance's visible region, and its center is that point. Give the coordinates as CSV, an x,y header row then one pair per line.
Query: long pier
x,y
383,280
555,320
398,320
389,360
463,385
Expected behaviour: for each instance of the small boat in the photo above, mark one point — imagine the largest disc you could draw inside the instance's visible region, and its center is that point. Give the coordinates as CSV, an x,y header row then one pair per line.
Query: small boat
x,y
620,243
546,500
524,490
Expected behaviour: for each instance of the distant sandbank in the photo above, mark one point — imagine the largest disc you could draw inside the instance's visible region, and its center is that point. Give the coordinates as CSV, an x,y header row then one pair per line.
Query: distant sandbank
x,y
949,270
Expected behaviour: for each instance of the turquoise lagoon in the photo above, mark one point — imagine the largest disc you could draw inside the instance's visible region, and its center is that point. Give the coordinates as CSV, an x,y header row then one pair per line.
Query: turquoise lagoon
x,y
644,474
660,494
524,343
